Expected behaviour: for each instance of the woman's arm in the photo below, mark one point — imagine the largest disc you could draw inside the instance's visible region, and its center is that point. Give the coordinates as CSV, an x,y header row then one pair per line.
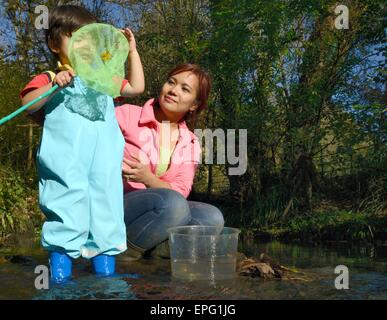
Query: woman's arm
x,y
137,172
154,182
136,84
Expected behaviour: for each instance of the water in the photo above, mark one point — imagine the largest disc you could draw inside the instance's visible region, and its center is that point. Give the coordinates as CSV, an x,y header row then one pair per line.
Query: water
x,y
151,279
217,268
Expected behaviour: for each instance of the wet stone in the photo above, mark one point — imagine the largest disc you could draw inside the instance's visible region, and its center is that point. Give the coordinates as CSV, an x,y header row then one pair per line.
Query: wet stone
x,y
19,259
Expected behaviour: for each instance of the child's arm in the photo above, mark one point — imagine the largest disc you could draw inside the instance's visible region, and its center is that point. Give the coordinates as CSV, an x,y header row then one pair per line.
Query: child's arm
x,y
136,84
62,79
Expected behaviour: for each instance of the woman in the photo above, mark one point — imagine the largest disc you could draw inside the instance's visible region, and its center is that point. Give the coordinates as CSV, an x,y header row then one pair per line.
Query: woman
x,y
161,157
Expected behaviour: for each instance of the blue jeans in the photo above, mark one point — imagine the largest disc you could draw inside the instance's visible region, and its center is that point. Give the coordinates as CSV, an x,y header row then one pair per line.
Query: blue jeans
x,y
150,212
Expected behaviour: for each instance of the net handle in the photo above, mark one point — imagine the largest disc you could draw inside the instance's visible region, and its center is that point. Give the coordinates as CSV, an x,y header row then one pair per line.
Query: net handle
x,y
26,106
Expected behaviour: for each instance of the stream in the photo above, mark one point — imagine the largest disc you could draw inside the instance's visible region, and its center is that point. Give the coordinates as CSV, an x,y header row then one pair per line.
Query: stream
x,y
151,278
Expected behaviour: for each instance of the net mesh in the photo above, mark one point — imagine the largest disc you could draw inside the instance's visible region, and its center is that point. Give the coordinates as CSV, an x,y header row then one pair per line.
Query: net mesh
x,y
85,101
98,52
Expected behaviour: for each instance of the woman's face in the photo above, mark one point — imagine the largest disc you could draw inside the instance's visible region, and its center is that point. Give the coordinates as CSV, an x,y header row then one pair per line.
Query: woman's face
x,y
178,95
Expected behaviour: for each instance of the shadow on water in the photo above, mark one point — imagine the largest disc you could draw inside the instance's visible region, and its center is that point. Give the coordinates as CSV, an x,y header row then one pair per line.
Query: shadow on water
x,y
151,278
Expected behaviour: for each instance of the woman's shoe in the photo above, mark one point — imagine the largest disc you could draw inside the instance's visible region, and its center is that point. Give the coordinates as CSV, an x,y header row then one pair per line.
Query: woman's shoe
x,y
103,265
60,266
162,250
134,252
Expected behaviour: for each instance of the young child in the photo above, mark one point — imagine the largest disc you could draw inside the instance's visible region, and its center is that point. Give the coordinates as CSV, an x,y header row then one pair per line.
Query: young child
x,y
79,159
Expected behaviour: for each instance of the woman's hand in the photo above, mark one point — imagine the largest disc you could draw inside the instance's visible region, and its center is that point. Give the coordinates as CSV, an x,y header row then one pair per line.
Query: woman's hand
x,y
135,171
63,78
132,41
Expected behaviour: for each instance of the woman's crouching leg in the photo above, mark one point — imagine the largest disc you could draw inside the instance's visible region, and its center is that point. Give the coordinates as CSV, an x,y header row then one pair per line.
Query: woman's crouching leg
x,y
149,213
205,214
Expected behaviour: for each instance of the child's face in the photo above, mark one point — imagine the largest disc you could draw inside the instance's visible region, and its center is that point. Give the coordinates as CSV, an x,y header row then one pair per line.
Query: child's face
x,y
62,51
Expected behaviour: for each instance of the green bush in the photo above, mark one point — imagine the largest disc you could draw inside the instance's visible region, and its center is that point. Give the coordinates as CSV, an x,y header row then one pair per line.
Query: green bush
x,y
333,225
19,210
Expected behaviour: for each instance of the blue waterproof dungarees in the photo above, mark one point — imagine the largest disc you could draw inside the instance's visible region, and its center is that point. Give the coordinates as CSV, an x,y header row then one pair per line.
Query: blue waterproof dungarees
x,y
79,164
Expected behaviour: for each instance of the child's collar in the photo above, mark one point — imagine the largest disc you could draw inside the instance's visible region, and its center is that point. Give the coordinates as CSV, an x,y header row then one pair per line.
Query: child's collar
x,y
64,67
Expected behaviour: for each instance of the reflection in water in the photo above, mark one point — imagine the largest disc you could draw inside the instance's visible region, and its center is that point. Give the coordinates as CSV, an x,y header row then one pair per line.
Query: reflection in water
x,y
309,256
88,288
151,278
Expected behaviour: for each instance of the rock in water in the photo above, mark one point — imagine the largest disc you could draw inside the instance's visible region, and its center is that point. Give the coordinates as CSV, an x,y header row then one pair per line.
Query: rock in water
x,y
19,259
263,267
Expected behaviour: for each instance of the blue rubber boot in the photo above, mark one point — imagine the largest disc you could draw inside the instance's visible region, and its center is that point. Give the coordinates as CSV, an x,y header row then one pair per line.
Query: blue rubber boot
x,y
60,266
104,265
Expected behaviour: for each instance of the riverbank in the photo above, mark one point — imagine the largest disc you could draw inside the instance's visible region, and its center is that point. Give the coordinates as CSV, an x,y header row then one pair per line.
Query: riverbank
x,y
328,222
327,227
20,214
331,226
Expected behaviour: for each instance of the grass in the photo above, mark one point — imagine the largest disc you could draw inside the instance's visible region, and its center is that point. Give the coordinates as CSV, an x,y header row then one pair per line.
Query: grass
x,y
19,210
329,221
332,225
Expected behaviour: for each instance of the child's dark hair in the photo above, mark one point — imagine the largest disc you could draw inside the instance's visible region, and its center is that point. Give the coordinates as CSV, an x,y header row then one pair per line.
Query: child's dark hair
x,y
64,20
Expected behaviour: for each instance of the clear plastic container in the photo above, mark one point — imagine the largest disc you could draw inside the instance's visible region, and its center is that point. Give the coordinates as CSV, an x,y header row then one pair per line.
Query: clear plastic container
x,y
203,252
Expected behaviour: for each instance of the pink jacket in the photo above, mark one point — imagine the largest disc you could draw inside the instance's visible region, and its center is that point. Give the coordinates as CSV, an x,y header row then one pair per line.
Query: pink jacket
x,y
141,132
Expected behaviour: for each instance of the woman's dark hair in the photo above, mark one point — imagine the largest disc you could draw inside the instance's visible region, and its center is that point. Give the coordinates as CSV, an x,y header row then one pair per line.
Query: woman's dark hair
x,y
204,88
64,20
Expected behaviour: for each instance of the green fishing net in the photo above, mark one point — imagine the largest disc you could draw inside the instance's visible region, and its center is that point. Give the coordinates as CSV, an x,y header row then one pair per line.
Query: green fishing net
x,y
97,52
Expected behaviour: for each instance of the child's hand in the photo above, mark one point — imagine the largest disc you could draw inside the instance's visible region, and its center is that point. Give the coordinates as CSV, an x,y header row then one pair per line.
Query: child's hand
x,y
136,83
63,78
132,41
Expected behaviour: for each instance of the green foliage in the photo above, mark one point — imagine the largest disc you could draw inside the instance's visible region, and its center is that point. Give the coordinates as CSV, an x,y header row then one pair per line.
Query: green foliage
x,y
332,225
19,212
